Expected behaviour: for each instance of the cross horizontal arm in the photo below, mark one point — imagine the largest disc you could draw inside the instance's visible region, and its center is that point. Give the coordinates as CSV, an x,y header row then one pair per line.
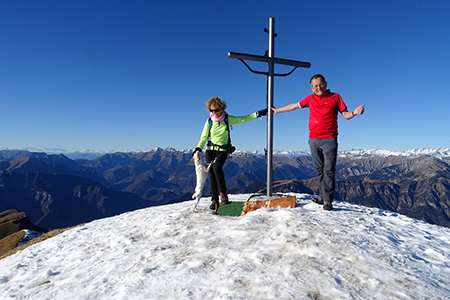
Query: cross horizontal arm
x,y
267,59
289,62
248,56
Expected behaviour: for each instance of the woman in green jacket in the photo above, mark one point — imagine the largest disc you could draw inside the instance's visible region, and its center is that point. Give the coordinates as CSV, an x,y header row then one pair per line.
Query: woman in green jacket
x,y
216,136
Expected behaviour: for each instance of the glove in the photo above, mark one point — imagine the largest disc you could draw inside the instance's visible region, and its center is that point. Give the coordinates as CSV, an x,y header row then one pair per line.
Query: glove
x,y
198,149
262,112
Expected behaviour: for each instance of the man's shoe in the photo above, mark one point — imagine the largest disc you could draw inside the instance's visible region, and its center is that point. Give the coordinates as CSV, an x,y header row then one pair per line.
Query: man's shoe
x,y
328,206
317,200
214,204
224,198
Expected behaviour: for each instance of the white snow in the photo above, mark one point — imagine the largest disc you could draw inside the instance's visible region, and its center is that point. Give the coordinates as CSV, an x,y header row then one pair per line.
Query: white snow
x,y
169,252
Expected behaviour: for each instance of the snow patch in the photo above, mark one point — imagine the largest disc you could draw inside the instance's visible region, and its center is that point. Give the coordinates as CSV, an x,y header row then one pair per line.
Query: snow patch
x,y
169,252
29,235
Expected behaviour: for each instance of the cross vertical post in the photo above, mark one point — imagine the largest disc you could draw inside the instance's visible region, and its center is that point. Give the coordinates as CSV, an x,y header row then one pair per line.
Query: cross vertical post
x,y
270,85
271,60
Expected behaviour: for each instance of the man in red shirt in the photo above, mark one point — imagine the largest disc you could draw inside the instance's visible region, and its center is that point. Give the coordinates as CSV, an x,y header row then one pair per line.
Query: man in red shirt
x,y
323,131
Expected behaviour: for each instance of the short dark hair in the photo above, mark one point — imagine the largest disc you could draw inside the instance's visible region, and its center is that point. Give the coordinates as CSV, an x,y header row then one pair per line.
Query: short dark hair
x,y
317,76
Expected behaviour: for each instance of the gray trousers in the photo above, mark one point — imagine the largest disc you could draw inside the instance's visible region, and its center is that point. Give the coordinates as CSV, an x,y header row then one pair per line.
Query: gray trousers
x,y
324,156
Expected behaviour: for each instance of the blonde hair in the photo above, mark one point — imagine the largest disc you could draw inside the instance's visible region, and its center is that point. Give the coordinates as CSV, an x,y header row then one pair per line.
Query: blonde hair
x,y
216,102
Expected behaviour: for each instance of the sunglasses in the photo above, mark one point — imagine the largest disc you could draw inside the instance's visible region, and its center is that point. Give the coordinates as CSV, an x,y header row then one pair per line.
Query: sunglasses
x,y
214,110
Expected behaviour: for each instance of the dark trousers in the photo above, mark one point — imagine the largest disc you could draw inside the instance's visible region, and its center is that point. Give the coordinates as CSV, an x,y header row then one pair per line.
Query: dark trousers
x,y
324,157
217,182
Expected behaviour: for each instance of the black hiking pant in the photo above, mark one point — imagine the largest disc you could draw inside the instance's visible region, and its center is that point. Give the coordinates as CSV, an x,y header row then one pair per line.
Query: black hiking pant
x,y
217,182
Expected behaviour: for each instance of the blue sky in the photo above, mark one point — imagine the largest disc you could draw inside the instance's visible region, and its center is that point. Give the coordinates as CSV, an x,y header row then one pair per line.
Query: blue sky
x,y
132,75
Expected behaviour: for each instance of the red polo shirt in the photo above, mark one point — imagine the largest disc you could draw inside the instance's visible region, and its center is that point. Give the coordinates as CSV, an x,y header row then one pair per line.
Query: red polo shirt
x,y
323,114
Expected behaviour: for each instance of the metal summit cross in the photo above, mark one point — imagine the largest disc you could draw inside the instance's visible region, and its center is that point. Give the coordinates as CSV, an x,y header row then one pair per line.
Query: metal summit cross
x,y
271,60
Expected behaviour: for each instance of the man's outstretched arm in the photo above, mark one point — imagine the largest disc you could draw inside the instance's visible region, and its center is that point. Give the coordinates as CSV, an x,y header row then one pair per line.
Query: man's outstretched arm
x,y
350,114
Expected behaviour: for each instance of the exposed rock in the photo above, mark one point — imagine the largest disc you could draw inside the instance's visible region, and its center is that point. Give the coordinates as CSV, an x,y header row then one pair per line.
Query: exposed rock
x,y
12,221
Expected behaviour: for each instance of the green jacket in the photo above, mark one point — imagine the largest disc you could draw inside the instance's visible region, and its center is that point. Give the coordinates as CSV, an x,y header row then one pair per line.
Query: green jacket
x,y
219,132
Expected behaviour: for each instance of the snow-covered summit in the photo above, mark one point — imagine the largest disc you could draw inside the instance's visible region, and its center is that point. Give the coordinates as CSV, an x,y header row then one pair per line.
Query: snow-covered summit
x,y
169,252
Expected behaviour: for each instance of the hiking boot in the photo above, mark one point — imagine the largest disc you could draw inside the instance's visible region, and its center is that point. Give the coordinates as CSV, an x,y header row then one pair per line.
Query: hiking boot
x,y
224,198
328,206
317,200
214,204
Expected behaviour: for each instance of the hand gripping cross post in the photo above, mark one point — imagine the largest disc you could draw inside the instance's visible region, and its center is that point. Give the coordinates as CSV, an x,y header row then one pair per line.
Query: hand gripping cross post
x,y
271,60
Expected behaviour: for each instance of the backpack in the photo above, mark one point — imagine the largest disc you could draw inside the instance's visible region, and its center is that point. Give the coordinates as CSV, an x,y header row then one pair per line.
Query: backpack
x,y
230,148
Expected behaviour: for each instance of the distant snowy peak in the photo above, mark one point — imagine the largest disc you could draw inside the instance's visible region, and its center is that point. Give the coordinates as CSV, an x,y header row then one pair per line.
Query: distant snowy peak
x,y
434,152
288,153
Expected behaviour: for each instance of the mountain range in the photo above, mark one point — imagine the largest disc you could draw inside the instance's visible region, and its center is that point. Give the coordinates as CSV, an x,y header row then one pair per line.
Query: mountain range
x,y
56,191
91,154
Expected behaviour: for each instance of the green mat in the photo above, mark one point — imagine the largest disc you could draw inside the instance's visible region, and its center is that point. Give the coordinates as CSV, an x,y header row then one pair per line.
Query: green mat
x,y
233,209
